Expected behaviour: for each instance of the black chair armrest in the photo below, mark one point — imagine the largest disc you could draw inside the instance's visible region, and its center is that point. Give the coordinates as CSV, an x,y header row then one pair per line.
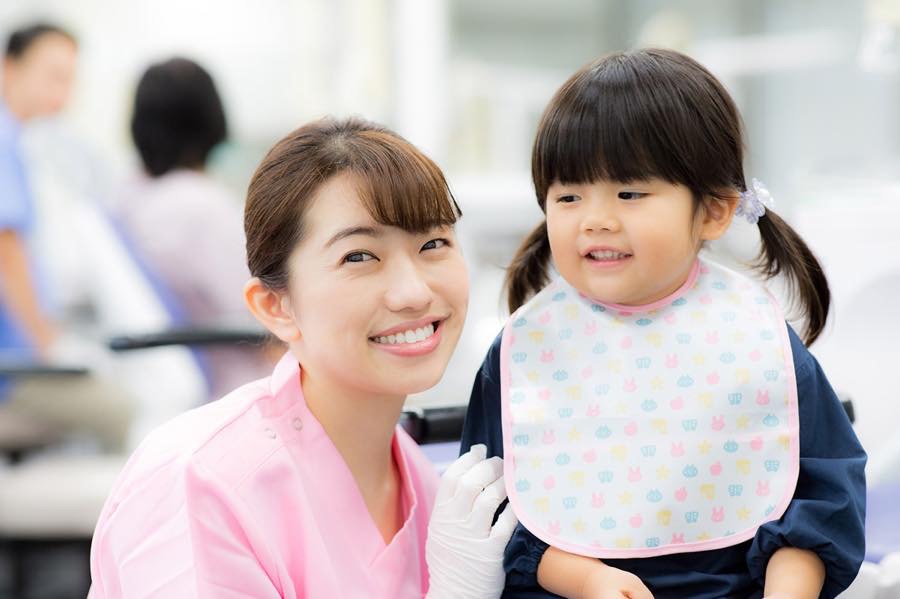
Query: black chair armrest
x,y
434,425
27,369
190,336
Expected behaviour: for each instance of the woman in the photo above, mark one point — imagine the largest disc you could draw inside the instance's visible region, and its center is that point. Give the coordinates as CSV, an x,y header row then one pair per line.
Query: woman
x,y
302,485
177,120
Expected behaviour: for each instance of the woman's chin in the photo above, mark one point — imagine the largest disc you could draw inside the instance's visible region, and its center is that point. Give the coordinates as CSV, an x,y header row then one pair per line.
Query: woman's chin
x,y
400,383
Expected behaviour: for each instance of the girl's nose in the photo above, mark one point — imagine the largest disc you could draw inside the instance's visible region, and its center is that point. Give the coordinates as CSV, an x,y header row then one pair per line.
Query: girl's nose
x,y
600,217
407,288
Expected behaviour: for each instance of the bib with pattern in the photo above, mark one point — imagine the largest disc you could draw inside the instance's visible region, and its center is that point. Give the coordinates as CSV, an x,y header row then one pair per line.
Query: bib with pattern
x,y
648,430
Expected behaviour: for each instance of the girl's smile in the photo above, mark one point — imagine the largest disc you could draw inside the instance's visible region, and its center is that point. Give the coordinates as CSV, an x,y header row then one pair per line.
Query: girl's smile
x,y
606,257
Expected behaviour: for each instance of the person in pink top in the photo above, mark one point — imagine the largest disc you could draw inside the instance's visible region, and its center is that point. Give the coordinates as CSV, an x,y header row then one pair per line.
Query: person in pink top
x,y
301,484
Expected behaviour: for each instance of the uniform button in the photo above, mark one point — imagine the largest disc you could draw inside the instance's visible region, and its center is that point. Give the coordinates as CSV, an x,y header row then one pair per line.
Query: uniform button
x,y
270,433
298,424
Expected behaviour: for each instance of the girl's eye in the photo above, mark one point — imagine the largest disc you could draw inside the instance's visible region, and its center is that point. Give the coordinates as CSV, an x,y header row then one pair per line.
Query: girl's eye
x,y
631,195
358,257
435,244
567,199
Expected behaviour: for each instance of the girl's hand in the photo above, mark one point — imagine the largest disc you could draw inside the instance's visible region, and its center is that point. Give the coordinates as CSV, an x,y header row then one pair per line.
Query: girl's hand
x,y
606,582
464,552
580,577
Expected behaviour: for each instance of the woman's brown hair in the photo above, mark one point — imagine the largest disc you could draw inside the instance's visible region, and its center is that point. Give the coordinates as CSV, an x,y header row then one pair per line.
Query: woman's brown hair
x,y
397,183
655,114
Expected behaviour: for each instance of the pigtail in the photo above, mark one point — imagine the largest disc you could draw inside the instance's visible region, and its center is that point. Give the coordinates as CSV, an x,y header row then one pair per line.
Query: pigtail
x,y
527,274
783,250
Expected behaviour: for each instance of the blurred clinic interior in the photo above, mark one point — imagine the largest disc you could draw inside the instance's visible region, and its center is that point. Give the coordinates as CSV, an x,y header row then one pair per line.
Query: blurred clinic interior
x,y
136,127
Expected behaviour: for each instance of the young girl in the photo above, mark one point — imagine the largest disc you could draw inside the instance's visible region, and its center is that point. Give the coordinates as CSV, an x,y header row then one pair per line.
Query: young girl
x,y
654,408
301,485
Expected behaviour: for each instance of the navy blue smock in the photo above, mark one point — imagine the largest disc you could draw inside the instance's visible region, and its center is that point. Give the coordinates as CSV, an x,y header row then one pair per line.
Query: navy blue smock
x,y
826,514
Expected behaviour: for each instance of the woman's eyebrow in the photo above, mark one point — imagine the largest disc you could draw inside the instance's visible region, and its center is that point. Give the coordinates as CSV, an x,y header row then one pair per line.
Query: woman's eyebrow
x,y
351,231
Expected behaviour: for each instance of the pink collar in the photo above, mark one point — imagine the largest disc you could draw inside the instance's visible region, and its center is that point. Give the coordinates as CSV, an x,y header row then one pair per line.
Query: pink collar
x,y
687,285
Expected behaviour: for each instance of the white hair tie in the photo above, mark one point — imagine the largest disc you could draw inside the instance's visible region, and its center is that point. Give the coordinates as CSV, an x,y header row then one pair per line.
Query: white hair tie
x,y
754,202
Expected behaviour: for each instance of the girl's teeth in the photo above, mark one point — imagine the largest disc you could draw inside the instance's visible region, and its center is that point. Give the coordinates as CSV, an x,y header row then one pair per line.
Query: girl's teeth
x,y
608,255
410,336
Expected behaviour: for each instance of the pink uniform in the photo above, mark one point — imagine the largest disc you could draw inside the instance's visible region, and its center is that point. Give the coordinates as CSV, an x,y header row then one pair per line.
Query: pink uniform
x,y
248,497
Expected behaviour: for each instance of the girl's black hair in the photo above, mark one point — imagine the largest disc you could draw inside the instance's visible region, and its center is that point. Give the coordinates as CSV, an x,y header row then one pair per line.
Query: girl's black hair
x,y
653,113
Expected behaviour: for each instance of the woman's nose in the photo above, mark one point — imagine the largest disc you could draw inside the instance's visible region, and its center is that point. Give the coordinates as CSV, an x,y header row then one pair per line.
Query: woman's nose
x,y
407,290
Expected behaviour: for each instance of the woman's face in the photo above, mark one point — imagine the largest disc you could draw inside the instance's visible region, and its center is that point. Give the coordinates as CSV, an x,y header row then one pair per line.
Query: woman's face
x,y
378,310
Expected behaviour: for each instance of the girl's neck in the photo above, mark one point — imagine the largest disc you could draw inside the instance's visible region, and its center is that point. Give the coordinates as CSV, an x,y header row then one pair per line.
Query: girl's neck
x,y
361,426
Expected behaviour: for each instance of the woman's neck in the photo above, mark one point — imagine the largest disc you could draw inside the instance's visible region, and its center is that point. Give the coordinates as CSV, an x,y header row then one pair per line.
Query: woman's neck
x,y
361,426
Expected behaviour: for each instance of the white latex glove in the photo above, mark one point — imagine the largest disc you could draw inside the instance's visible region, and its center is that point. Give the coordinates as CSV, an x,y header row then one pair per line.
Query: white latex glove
x,y
464,553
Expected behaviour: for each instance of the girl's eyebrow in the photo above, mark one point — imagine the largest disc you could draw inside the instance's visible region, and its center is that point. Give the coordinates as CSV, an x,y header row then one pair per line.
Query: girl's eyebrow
x,y
351,231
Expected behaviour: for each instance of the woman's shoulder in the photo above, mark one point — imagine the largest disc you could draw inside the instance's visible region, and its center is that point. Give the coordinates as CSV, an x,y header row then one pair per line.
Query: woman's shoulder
x,y
200,442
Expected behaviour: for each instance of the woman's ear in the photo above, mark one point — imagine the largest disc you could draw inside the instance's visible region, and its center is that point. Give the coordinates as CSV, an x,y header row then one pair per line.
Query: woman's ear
x,y
717,213
272,309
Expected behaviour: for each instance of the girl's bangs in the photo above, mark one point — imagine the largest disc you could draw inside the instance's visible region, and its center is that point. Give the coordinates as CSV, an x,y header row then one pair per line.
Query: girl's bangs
x,y
634,117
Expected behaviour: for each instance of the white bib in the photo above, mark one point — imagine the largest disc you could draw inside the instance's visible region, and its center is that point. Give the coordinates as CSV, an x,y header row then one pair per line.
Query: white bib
x,y
643,431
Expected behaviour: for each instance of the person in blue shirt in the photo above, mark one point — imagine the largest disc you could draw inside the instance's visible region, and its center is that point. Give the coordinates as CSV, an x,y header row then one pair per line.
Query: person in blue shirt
x,y
38,72
637,153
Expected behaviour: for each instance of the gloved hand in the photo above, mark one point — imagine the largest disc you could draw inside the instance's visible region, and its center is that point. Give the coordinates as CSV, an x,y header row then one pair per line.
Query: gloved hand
x,y
464,552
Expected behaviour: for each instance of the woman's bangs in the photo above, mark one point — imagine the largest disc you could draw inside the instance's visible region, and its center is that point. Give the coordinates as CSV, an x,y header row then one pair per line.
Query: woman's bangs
x,y
401,187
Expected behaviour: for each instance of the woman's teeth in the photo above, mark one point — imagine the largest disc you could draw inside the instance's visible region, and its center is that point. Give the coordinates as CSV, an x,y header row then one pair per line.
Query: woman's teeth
x,y
608,255
410,336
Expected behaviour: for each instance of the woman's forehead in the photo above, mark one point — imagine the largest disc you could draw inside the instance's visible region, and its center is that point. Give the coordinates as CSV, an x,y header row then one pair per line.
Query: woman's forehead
x,y
338,212
336,204
352,199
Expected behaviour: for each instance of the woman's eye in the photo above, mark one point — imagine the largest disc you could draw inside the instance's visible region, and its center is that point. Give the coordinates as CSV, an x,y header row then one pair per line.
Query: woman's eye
x,y
567,199
631,195
435,244
358,257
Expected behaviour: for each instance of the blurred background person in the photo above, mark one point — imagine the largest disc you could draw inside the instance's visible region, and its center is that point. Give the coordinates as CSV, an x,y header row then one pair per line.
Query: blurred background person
x,y
38,71
184,226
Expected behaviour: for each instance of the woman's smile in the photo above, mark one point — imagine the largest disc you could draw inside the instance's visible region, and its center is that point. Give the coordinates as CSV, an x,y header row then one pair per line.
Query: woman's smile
x,y
413,338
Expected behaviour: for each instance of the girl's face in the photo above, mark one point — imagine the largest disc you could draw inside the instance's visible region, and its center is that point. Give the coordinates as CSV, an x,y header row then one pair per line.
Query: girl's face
x,y
628,243
375,309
